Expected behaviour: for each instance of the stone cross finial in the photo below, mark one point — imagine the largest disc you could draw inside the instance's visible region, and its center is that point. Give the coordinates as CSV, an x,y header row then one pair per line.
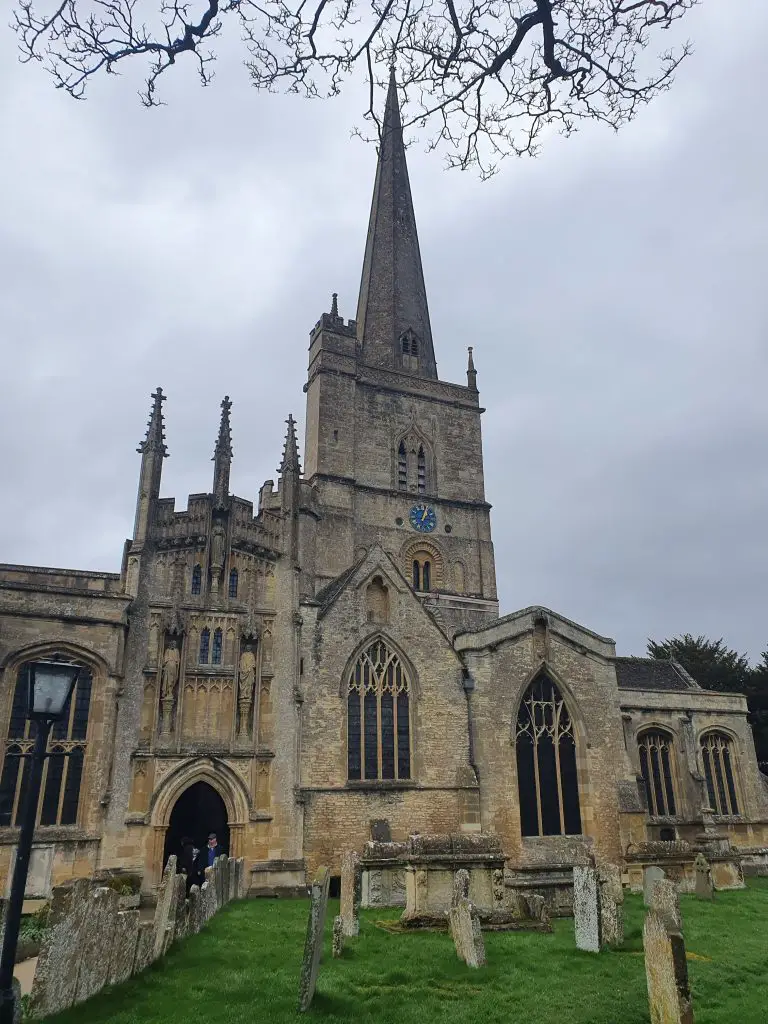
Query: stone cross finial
x,y
471,372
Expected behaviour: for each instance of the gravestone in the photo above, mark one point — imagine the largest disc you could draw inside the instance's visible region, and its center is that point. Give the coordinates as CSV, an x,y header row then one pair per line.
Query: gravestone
x,y
586,909
651,874
232,878
239,865
460,887
165,901
245,879
611,905
96,941
338,936
465,930
123,954
705,890
351,893
55,981
178,922
535,907
195,915
313,946
144,947
665,901
208,895
666,971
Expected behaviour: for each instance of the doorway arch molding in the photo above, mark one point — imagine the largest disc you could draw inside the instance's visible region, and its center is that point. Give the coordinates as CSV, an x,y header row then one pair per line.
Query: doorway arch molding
x,y
219,776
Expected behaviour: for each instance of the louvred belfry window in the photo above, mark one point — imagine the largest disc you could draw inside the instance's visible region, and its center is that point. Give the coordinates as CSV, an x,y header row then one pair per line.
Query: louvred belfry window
x,y
63,769
378,716
717,753
546,763
656,766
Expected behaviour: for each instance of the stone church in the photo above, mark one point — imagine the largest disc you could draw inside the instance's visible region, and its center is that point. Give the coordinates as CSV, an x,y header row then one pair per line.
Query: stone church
x,y
331,662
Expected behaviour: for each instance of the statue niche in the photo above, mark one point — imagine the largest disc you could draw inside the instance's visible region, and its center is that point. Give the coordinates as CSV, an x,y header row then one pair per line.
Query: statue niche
x,y
218,553
169,680
246,681
377,601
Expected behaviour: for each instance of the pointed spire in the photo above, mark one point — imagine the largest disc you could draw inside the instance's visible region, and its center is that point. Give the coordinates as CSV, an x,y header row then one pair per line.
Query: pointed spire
x,y
393,299
222,455
335,304
154,440
471,371
290,461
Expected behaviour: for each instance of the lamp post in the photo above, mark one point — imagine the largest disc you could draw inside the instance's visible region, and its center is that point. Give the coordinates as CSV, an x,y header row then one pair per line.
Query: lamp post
x,y
50,687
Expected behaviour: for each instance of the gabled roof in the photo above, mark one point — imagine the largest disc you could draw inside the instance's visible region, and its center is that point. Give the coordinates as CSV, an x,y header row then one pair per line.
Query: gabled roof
x,y
652,674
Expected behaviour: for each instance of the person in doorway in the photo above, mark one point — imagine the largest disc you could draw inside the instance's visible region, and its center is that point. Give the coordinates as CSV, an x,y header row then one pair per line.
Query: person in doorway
x,y
190,862
214,850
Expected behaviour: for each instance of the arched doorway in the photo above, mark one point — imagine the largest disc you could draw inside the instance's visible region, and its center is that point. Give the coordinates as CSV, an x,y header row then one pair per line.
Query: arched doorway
x,y
197,812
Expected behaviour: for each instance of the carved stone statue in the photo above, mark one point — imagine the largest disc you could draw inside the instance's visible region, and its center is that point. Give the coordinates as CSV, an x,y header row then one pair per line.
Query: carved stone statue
x,y
246,674
218,540
170,676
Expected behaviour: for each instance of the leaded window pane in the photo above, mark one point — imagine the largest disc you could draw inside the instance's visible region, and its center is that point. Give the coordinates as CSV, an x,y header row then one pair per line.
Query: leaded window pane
x,y
378,723
217,647
717,755
546,763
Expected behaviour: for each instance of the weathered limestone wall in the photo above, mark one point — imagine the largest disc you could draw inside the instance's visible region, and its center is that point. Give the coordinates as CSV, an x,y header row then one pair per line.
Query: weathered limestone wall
x,y
502,660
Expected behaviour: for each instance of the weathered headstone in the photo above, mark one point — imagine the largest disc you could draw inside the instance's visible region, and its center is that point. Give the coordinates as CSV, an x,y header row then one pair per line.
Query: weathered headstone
x,y
165,901
96,941
208,894
611,905
55,981
705,890
460,887
536,907
666,972
123,953
338,936
232,878
651,874
665,901
220,867
144,947
195,916
178,921
244,879
239,878
586,909
313,946
466,933
351,893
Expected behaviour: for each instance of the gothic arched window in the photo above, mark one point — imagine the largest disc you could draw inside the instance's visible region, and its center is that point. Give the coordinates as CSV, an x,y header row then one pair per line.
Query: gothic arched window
x,y
656,766
63,769
233,583
217,646
197,579
546,763
402,467
716,751
422,470
205,643
378,716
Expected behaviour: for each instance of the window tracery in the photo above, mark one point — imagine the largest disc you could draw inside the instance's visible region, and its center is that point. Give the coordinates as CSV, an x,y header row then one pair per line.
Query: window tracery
x,y
717,754
415,464
656,766
205,643
546,763
63,768
378,716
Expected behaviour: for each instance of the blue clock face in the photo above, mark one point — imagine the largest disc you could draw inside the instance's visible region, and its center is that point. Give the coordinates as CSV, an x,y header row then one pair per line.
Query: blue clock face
x,y
423,518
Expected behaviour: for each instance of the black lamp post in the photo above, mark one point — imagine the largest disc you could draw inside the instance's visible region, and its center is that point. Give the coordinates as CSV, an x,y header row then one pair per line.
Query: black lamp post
x,y
50,687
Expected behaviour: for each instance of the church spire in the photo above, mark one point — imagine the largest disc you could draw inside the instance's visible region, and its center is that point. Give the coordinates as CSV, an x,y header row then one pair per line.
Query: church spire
x,y
392,314
222,456
152,450
154,441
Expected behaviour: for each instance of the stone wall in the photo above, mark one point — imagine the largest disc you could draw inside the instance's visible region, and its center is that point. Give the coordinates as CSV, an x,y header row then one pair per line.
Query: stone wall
x,y
91,943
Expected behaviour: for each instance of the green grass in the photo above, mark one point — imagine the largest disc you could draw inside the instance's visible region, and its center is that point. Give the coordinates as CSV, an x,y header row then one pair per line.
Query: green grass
x,y
245,966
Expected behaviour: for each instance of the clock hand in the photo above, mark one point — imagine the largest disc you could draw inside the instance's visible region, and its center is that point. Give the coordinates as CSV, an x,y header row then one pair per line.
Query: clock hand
x,y
424,515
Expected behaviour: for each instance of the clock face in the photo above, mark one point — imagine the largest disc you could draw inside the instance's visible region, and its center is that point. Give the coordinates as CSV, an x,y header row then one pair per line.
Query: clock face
x,y
423,518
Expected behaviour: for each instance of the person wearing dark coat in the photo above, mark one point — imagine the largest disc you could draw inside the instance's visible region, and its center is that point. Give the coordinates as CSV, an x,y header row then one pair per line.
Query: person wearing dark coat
x,y
213,850
189,863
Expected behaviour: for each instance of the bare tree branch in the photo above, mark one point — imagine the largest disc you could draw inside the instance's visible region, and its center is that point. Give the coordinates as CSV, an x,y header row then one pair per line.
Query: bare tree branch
x,y
488,75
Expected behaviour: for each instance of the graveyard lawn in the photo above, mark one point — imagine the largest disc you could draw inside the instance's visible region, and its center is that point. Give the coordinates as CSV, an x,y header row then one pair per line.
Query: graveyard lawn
x,y
244,967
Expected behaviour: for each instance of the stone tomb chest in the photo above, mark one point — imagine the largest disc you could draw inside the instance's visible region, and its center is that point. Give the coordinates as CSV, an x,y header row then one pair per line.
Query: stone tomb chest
x,y
430,865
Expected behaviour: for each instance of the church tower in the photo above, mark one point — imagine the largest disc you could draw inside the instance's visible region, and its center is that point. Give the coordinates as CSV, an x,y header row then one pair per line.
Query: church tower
x,y
394,454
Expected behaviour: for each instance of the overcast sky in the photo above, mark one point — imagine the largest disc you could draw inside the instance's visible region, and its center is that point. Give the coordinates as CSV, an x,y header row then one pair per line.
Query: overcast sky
x,y
615,291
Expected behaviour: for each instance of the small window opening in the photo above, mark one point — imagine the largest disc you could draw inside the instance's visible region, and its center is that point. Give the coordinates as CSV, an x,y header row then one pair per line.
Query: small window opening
x,y
402,468
233,583
205,643
217,645
422,467
197,579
